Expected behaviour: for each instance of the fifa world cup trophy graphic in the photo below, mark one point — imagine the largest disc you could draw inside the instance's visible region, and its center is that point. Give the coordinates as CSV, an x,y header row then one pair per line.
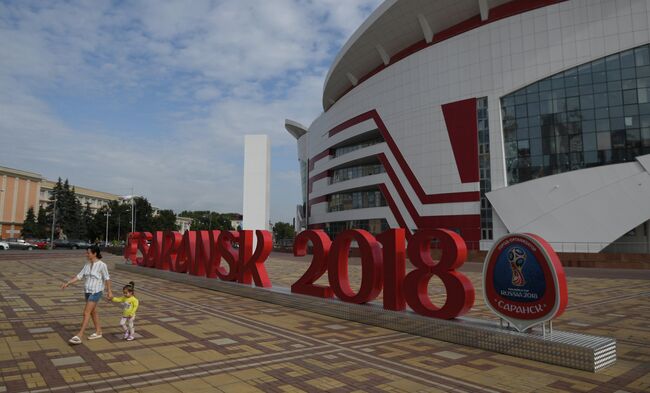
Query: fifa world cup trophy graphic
x,y
517,258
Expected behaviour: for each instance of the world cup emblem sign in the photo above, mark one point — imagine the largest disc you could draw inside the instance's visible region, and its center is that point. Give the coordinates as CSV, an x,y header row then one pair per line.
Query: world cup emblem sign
x,y
523,280
517,258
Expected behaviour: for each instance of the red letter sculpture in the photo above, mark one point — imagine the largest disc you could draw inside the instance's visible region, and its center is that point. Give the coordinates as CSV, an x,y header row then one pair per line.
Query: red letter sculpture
x,y
252,267
460,292
320,247
371,266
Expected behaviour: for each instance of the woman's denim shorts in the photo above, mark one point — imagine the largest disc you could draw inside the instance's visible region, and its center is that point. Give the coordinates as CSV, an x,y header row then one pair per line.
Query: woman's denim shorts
x,y
93,297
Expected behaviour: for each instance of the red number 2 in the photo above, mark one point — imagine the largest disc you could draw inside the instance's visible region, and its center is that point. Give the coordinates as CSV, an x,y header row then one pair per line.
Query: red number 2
x,y
321,244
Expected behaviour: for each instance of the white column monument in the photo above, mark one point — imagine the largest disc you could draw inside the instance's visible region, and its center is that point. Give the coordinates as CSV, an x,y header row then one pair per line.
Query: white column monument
x,y
257,176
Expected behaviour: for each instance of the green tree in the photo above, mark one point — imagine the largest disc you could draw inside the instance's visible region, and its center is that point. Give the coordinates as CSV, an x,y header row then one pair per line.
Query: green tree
x,y
205,220
283,230
143,214
87,218
29,225
41,224
51,214
165,220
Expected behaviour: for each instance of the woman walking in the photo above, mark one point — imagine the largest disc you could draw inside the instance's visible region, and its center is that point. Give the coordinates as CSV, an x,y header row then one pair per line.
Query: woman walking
x,y
96,278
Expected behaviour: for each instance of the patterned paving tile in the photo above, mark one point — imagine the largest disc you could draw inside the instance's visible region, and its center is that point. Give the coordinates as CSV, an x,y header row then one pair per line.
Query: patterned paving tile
x,y
196,340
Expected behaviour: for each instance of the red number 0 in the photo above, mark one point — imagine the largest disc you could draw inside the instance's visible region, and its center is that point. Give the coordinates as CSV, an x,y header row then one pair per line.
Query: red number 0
x,y
460,292
371,266
321,247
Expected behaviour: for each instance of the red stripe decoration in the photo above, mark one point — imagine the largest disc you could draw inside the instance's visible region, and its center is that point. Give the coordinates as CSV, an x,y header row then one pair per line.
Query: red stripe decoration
x,y
461,120
321,175
503,11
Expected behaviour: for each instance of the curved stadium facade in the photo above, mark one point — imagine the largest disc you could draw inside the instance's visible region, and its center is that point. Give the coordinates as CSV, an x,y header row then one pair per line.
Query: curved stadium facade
x,y
487,117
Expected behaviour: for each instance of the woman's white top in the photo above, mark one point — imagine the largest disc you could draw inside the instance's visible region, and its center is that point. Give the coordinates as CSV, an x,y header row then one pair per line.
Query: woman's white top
x,y
94,276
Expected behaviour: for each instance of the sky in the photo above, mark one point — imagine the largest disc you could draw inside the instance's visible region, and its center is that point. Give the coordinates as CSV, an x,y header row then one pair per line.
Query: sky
x,y
158,95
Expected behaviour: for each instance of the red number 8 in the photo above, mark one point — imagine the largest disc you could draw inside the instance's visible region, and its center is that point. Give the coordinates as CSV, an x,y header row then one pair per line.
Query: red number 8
x,y
460,292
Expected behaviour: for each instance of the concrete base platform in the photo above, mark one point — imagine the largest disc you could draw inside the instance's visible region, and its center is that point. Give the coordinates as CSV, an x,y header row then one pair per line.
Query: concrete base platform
x,y
578,351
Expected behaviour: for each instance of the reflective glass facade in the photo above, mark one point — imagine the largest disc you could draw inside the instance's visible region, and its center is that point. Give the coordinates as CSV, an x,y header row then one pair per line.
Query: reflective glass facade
x,y
485,177
374,226
355,200
339,151
343,174
594,114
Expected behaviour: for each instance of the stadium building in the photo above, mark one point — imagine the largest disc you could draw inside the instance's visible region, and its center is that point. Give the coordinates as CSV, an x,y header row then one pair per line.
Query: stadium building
x,y
487,117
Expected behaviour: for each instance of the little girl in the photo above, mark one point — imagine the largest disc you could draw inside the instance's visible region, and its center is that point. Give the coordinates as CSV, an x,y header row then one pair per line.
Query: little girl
x,y
130,305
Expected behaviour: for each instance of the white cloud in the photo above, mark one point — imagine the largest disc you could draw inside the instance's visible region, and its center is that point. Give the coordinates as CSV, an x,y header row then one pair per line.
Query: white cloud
x,y
219,70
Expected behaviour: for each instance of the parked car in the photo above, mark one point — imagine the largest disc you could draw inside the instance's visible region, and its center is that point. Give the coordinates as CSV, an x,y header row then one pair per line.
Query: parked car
x,y
20,244
4,245
40,243
71,243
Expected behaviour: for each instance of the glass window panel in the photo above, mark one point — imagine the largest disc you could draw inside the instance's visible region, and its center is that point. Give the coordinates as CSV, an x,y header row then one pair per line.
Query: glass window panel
x,y
600,88
589,141
548,145
545,85
616,111
598,65
587,89
627,74
520,111
588,126
614,86
643,95
604,141
645,137
590,157
600,100
612,62
587,101
618,139
632,139
533,109
557,82
524,148
535,147
643,72
572,91
631,110
629,97
600,77
614,75
627,59
522,133
642,56
575,142
534,97
573,103
629,84
562,144
602,125
617,123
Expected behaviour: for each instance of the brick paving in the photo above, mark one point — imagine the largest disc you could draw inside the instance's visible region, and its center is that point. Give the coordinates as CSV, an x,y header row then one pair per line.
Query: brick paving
x,y
198,340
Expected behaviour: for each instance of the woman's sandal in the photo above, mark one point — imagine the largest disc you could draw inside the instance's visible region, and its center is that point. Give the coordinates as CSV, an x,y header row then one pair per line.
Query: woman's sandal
x,y
94,336
75,340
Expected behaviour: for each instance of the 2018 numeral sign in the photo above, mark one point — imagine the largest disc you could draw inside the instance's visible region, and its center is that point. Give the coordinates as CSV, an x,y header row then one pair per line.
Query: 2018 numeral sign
x,y
383,267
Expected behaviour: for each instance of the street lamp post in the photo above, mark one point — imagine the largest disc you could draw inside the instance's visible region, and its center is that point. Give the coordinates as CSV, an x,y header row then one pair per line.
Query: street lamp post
x,y
53,224
108,214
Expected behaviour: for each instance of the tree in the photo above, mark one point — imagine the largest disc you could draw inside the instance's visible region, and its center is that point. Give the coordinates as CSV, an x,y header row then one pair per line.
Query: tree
x,y
165,221
283,230
51,214
89,223
205,220
29,225
41,223
143,214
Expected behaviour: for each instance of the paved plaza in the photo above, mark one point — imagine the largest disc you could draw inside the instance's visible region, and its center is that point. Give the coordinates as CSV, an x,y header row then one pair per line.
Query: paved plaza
x,y
198,340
